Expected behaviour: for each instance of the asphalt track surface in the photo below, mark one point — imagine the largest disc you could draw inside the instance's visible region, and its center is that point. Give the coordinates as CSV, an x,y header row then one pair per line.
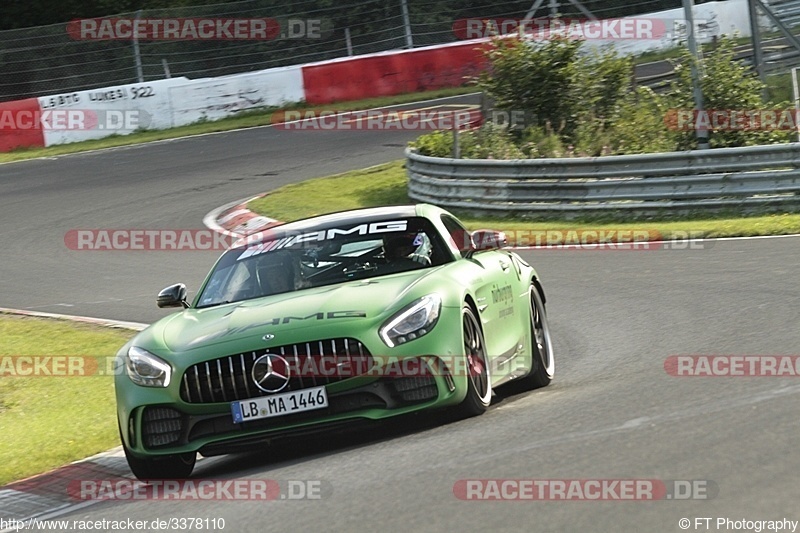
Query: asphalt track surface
x,y
612,413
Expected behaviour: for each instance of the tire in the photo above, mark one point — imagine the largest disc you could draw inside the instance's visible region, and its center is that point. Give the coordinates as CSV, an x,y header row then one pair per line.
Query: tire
x,y
177,466
479,383
543,362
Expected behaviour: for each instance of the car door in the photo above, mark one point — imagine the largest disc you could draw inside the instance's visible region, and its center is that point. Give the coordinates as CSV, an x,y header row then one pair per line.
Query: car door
x,y
497,289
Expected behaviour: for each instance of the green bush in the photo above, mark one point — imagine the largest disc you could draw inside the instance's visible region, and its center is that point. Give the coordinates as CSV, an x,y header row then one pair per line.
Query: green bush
x,y
727,84
604,80
555,82
581,103
490,141
638,125
536,76
435,144
538,142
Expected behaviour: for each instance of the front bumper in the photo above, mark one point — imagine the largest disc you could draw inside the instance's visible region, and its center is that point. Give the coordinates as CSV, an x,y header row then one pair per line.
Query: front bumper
x,y
163,424
165,421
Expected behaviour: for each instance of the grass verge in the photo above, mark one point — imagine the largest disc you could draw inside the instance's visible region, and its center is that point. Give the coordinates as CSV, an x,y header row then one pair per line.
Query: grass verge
x,y
48,421
247,119
387,185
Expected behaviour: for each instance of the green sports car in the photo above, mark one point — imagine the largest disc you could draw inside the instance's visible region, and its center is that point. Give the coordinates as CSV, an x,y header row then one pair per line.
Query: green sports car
x,y
322,322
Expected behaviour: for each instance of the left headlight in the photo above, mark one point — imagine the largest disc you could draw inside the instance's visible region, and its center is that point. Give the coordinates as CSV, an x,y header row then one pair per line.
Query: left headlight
x,y
413,321
146,369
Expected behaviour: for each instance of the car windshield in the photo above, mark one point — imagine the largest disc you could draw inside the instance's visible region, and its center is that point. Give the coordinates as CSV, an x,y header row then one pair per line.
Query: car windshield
x,y
291,261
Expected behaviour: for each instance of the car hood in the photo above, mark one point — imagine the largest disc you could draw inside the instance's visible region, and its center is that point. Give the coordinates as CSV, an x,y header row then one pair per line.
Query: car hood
x,y
368,299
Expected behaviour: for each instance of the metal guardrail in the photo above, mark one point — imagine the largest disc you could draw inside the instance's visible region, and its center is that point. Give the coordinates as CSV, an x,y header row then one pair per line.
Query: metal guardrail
x,y
787,11
748,178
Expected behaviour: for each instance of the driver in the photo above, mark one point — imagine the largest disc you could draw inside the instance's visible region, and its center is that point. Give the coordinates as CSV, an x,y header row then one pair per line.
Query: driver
x,y
413,247
278,272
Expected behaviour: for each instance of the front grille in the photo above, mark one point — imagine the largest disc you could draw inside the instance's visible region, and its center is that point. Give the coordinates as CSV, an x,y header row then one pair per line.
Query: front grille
x,y
161,426
230,378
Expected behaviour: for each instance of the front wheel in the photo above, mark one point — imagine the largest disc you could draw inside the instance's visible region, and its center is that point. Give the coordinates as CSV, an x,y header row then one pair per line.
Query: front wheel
x,y
543,364
479,382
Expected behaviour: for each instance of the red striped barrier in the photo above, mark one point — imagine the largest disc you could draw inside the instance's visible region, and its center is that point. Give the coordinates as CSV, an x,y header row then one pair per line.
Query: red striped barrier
x,y
20,125
392,73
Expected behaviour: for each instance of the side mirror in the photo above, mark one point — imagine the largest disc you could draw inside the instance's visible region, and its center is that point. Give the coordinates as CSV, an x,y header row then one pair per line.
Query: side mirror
x,y
173,296
486,239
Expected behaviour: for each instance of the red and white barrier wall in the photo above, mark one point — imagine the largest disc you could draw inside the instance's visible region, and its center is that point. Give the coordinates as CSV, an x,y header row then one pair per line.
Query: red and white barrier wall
x,y
96,113
391,73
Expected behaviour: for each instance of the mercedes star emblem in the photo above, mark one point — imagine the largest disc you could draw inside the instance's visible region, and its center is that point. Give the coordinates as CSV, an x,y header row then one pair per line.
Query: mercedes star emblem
x,y
271,373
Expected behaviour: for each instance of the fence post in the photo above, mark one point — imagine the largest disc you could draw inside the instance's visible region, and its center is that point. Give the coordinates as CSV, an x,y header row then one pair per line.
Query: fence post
x,y
137,56
407,25
348,41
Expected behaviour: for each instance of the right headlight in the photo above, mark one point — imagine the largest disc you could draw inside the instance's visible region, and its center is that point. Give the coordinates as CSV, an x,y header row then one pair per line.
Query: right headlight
x,y
413,321
146,369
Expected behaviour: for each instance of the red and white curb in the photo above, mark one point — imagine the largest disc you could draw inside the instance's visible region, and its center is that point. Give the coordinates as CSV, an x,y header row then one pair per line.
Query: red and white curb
x,y
46,494
49,495
236,220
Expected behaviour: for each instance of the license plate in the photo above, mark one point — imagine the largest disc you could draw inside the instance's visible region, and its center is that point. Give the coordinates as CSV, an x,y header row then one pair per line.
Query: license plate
x,y
279,404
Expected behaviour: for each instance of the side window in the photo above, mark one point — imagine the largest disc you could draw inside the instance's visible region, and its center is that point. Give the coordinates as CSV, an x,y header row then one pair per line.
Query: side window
x,y
458,233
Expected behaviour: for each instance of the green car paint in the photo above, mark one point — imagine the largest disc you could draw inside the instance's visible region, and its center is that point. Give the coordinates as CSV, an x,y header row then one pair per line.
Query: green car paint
x,y
347,293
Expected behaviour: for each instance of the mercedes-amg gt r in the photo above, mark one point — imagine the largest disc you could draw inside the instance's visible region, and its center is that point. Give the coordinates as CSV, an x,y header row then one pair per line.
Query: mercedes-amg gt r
x,y
318,323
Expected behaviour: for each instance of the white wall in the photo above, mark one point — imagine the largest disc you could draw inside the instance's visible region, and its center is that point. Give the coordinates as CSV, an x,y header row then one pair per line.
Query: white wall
x,y
215,98
98,113
144,104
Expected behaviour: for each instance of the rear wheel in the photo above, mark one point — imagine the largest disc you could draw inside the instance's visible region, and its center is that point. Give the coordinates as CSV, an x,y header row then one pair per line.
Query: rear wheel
x,y
543,363
479,383
178,466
